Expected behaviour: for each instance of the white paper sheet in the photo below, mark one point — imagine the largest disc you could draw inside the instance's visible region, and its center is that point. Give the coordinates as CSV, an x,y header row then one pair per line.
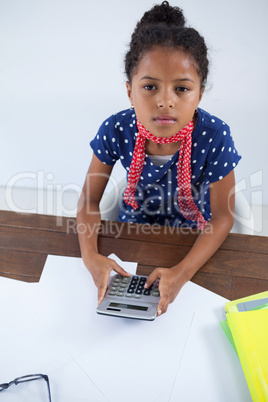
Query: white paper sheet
x,y
29,347
182,355
128,359
210,369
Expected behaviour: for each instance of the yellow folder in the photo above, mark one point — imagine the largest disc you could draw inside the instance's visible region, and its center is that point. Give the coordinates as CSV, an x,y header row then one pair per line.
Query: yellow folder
x,y
250,333
231,306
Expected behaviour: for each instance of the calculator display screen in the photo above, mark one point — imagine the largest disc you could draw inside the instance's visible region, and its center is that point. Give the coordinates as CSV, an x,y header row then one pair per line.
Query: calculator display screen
x,y
129,306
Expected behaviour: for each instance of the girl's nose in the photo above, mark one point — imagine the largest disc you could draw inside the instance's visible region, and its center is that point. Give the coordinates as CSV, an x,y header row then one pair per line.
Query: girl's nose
x,y
166,100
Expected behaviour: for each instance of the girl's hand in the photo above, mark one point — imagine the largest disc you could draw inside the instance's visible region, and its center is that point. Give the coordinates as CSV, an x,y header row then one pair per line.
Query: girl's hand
x,y
100,268
171,281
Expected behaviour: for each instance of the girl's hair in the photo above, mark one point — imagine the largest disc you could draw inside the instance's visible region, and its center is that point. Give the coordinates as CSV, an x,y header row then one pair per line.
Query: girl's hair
x,y
164,25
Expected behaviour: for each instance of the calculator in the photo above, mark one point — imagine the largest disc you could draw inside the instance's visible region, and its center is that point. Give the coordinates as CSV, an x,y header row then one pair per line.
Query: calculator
x,y
127,297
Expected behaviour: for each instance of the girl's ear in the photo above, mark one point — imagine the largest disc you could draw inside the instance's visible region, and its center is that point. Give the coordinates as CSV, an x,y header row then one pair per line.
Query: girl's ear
x,y
129,91
201,93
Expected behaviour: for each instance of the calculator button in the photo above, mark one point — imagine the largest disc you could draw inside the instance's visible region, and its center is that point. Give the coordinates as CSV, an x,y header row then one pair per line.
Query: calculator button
x,y
140,287
138,292
120,294
131,286
114,287
130,291
137,296
129,295
147,292
125,280
111,293
156,293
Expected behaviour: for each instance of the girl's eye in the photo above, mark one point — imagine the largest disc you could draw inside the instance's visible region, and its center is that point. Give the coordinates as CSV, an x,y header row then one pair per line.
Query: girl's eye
x,y
181,89
149,87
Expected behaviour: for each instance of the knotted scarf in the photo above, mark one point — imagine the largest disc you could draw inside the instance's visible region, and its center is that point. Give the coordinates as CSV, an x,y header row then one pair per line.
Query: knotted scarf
x,y
186,203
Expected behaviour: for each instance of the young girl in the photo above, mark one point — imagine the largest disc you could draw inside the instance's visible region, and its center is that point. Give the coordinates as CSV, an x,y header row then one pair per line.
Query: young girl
x,y
179,159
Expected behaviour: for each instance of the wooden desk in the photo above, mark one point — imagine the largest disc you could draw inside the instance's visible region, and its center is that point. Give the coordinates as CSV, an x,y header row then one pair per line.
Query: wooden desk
x,y
239,268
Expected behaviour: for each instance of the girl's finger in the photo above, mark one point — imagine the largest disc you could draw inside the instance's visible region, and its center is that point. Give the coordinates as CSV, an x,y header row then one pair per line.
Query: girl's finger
x,y
162,306
152,277
119,269
102,290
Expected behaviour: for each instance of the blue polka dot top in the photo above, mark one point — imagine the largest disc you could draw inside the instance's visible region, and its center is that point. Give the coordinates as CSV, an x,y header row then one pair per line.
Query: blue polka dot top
x,y
213,156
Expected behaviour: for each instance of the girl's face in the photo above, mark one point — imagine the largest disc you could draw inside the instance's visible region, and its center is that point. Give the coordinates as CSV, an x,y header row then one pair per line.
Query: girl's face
x,y
165,91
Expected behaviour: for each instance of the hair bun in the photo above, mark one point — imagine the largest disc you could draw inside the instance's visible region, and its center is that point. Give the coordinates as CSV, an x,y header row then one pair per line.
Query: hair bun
x,y
164,26
163,14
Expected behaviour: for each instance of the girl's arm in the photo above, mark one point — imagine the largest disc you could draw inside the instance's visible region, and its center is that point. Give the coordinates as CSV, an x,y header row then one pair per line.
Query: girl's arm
x,y
88,224
222,201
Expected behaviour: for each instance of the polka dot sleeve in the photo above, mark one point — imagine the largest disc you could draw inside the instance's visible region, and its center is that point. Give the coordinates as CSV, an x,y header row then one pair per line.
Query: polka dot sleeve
x,y
222,156
104,145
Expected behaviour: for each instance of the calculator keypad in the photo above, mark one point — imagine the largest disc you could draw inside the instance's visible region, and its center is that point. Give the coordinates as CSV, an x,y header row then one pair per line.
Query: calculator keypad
x,y
132,286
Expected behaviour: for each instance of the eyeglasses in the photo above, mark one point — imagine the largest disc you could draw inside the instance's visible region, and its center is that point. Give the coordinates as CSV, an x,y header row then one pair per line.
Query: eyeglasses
x,y
27,378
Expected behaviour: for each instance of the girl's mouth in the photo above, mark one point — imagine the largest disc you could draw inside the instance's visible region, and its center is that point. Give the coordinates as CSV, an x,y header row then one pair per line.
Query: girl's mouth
x,y
165,120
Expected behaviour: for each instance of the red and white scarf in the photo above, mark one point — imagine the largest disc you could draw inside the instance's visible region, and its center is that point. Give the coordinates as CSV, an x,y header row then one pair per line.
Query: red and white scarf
x,y
186,203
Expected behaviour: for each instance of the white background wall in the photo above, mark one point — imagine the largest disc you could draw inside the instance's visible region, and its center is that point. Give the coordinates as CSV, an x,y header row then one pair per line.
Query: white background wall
x,y
62,74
